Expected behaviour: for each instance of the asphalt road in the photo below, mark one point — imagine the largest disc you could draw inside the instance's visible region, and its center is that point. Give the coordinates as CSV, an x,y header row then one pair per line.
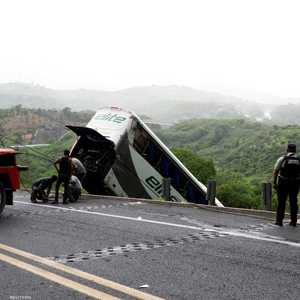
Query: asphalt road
x,y
111,249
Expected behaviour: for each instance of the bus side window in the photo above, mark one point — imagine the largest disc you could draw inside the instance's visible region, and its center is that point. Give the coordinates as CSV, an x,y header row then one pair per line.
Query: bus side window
x,y
174,174
178,179
150,152
190,192
140,140
164,166
194,195
153,155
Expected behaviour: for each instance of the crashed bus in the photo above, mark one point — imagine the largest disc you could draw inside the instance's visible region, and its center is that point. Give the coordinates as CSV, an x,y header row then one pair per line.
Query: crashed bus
x,y
123,157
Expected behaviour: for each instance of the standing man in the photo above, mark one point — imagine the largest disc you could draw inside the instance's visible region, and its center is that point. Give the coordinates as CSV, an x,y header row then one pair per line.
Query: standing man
x,y
286,183
64,168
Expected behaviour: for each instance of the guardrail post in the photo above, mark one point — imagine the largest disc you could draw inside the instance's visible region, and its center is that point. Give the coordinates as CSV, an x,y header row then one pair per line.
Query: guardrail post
x,y
211,192
266,194
166,188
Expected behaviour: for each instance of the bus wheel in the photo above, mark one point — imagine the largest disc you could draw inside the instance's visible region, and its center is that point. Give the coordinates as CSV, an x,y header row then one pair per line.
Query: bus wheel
x,y
2,197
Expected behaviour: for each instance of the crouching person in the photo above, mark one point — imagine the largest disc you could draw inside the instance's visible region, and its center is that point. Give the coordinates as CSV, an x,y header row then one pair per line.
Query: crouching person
x,y
41,188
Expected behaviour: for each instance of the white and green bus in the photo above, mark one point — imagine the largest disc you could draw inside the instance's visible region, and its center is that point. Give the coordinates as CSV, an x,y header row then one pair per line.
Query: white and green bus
x,y
123,157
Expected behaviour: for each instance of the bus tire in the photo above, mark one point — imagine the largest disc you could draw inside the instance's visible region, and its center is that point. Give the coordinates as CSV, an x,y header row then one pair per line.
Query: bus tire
x,y
2,197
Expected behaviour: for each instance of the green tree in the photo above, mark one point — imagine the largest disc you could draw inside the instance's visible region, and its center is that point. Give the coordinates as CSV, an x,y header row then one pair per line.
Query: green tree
x,y
238,194
202,168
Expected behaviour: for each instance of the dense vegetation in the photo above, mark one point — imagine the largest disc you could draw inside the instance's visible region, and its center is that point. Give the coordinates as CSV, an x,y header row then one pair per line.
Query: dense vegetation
x,y
243,152
248,148
202,168
19,125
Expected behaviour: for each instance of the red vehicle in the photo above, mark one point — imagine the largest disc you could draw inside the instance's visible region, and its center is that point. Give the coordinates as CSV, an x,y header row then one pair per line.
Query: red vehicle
x,y
9,176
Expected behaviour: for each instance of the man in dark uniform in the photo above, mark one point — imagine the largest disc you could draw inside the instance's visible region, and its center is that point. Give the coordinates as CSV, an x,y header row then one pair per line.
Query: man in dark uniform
x,y
64,168
287,183
39,186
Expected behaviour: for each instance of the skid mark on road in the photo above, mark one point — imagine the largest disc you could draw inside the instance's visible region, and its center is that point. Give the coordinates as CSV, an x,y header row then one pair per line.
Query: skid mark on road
x,y
254,228
134,247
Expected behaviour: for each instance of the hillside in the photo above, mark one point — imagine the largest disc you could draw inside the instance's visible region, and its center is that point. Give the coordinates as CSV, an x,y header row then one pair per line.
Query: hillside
x,y
248,148
169,104
161,103
21,126
244,153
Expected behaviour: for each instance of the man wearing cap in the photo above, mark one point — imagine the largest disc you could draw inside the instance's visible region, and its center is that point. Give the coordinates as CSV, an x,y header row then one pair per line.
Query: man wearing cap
x,y
286,183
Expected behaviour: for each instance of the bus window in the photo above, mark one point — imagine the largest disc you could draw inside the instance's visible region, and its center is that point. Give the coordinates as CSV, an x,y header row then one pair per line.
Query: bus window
x,y
190,193
141,140
164,166
174,174
178,179
194,195
151,152
153,155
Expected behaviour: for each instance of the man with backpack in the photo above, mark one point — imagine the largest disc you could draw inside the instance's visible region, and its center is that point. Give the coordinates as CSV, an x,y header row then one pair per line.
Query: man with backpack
x,y
287,183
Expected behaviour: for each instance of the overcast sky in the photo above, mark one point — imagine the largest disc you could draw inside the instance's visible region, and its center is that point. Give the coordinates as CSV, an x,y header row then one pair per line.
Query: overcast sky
x,y
228,45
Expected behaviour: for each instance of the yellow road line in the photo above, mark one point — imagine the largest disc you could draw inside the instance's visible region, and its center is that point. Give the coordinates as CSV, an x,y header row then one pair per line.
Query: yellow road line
x,y
57,278
99,280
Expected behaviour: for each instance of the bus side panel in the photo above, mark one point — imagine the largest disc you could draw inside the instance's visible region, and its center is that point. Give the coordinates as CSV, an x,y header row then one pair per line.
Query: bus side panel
x,y
152,179
164,164
111,181
125,172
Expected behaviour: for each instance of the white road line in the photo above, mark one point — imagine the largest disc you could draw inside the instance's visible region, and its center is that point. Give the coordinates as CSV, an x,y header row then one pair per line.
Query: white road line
x,y
270,239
